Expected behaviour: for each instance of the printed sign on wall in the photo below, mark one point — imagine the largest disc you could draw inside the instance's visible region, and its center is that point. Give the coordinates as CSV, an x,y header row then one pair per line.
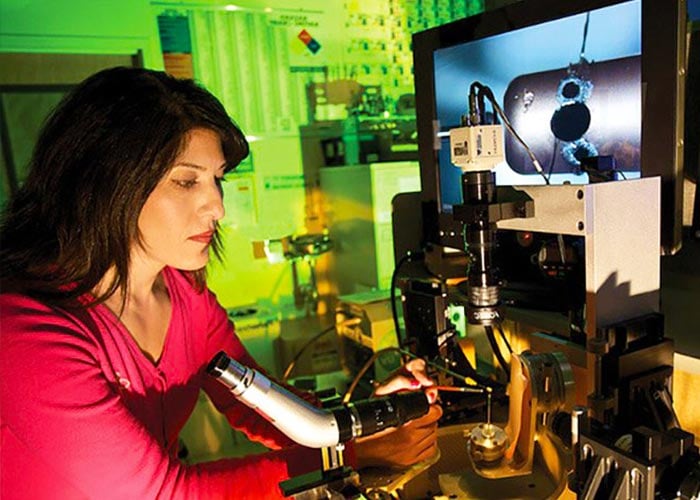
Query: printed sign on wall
x,y
311,36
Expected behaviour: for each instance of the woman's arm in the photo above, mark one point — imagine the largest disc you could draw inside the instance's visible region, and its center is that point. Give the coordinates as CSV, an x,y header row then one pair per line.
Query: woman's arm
x,y
66,432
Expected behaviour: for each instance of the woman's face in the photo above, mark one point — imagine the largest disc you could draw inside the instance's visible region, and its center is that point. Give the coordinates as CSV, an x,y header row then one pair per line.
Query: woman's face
x,y
178,219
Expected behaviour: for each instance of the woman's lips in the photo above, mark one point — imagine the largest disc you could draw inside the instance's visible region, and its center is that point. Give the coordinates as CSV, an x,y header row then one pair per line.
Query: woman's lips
x,y
203,237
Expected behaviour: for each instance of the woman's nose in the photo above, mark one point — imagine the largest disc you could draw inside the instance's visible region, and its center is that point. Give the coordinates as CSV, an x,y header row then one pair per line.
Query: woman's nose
x,y
214,205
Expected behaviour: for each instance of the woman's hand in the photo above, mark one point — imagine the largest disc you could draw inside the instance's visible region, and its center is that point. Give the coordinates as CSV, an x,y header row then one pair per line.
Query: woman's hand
x,y
411,376
414,441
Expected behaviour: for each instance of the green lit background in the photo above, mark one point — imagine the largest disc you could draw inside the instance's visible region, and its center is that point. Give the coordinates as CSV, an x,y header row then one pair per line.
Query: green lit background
x,y
250,55
290,74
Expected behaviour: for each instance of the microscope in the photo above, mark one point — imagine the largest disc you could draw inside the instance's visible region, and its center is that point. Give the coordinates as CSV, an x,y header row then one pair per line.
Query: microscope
x,y
589,383
325,429
586,396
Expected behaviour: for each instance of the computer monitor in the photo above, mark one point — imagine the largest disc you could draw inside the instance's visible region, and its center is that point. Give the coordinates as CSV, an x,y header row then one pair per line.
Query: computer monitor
x,y
590,78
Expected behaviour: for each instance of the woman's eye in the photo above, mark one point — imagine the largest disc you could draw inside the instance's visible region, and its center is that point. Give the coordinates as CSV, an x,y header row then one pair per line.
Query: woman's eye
x,y
187,184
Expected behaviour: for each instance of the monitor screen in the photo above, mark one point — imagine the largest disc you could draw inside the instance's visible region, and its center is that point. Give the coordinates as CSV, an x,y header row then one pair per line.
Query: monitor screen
x,y
575,80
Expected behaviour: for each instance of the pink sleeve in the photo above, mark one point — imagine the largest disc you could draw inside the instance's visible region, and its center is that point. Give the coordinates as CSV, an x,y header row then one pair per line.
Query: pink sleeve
x,y
67,434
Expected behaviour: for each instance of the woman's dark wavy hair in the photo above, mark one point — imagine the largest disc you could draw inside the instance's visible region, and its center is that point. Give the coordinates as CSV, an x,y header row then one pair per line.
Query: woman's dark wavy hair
x,y
99,156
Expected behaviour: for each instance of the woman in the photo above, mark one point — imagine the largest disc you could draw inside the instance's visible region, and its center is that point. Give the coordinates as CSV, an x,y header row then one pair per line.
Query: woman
x,y
107,324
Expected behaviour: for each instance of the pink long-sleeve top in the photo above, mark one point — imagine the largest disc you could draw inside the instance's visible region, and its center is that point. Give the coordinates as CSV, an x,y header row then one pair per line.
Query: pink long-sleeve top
x,y
85,414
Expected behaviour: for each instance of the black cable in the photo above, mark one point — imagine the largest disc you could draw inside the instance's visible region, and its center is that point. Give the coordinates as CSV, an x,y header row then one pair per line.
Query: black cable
x,y
503,336
496,349
471,371
474,112
506,122
296,357
585,36
482,108
509,127
553,159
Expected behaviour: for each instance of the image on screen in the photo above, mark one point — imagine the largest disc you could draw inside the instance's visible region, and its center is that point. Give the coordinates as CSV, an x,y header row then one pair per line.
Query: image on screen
x,y
570,87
